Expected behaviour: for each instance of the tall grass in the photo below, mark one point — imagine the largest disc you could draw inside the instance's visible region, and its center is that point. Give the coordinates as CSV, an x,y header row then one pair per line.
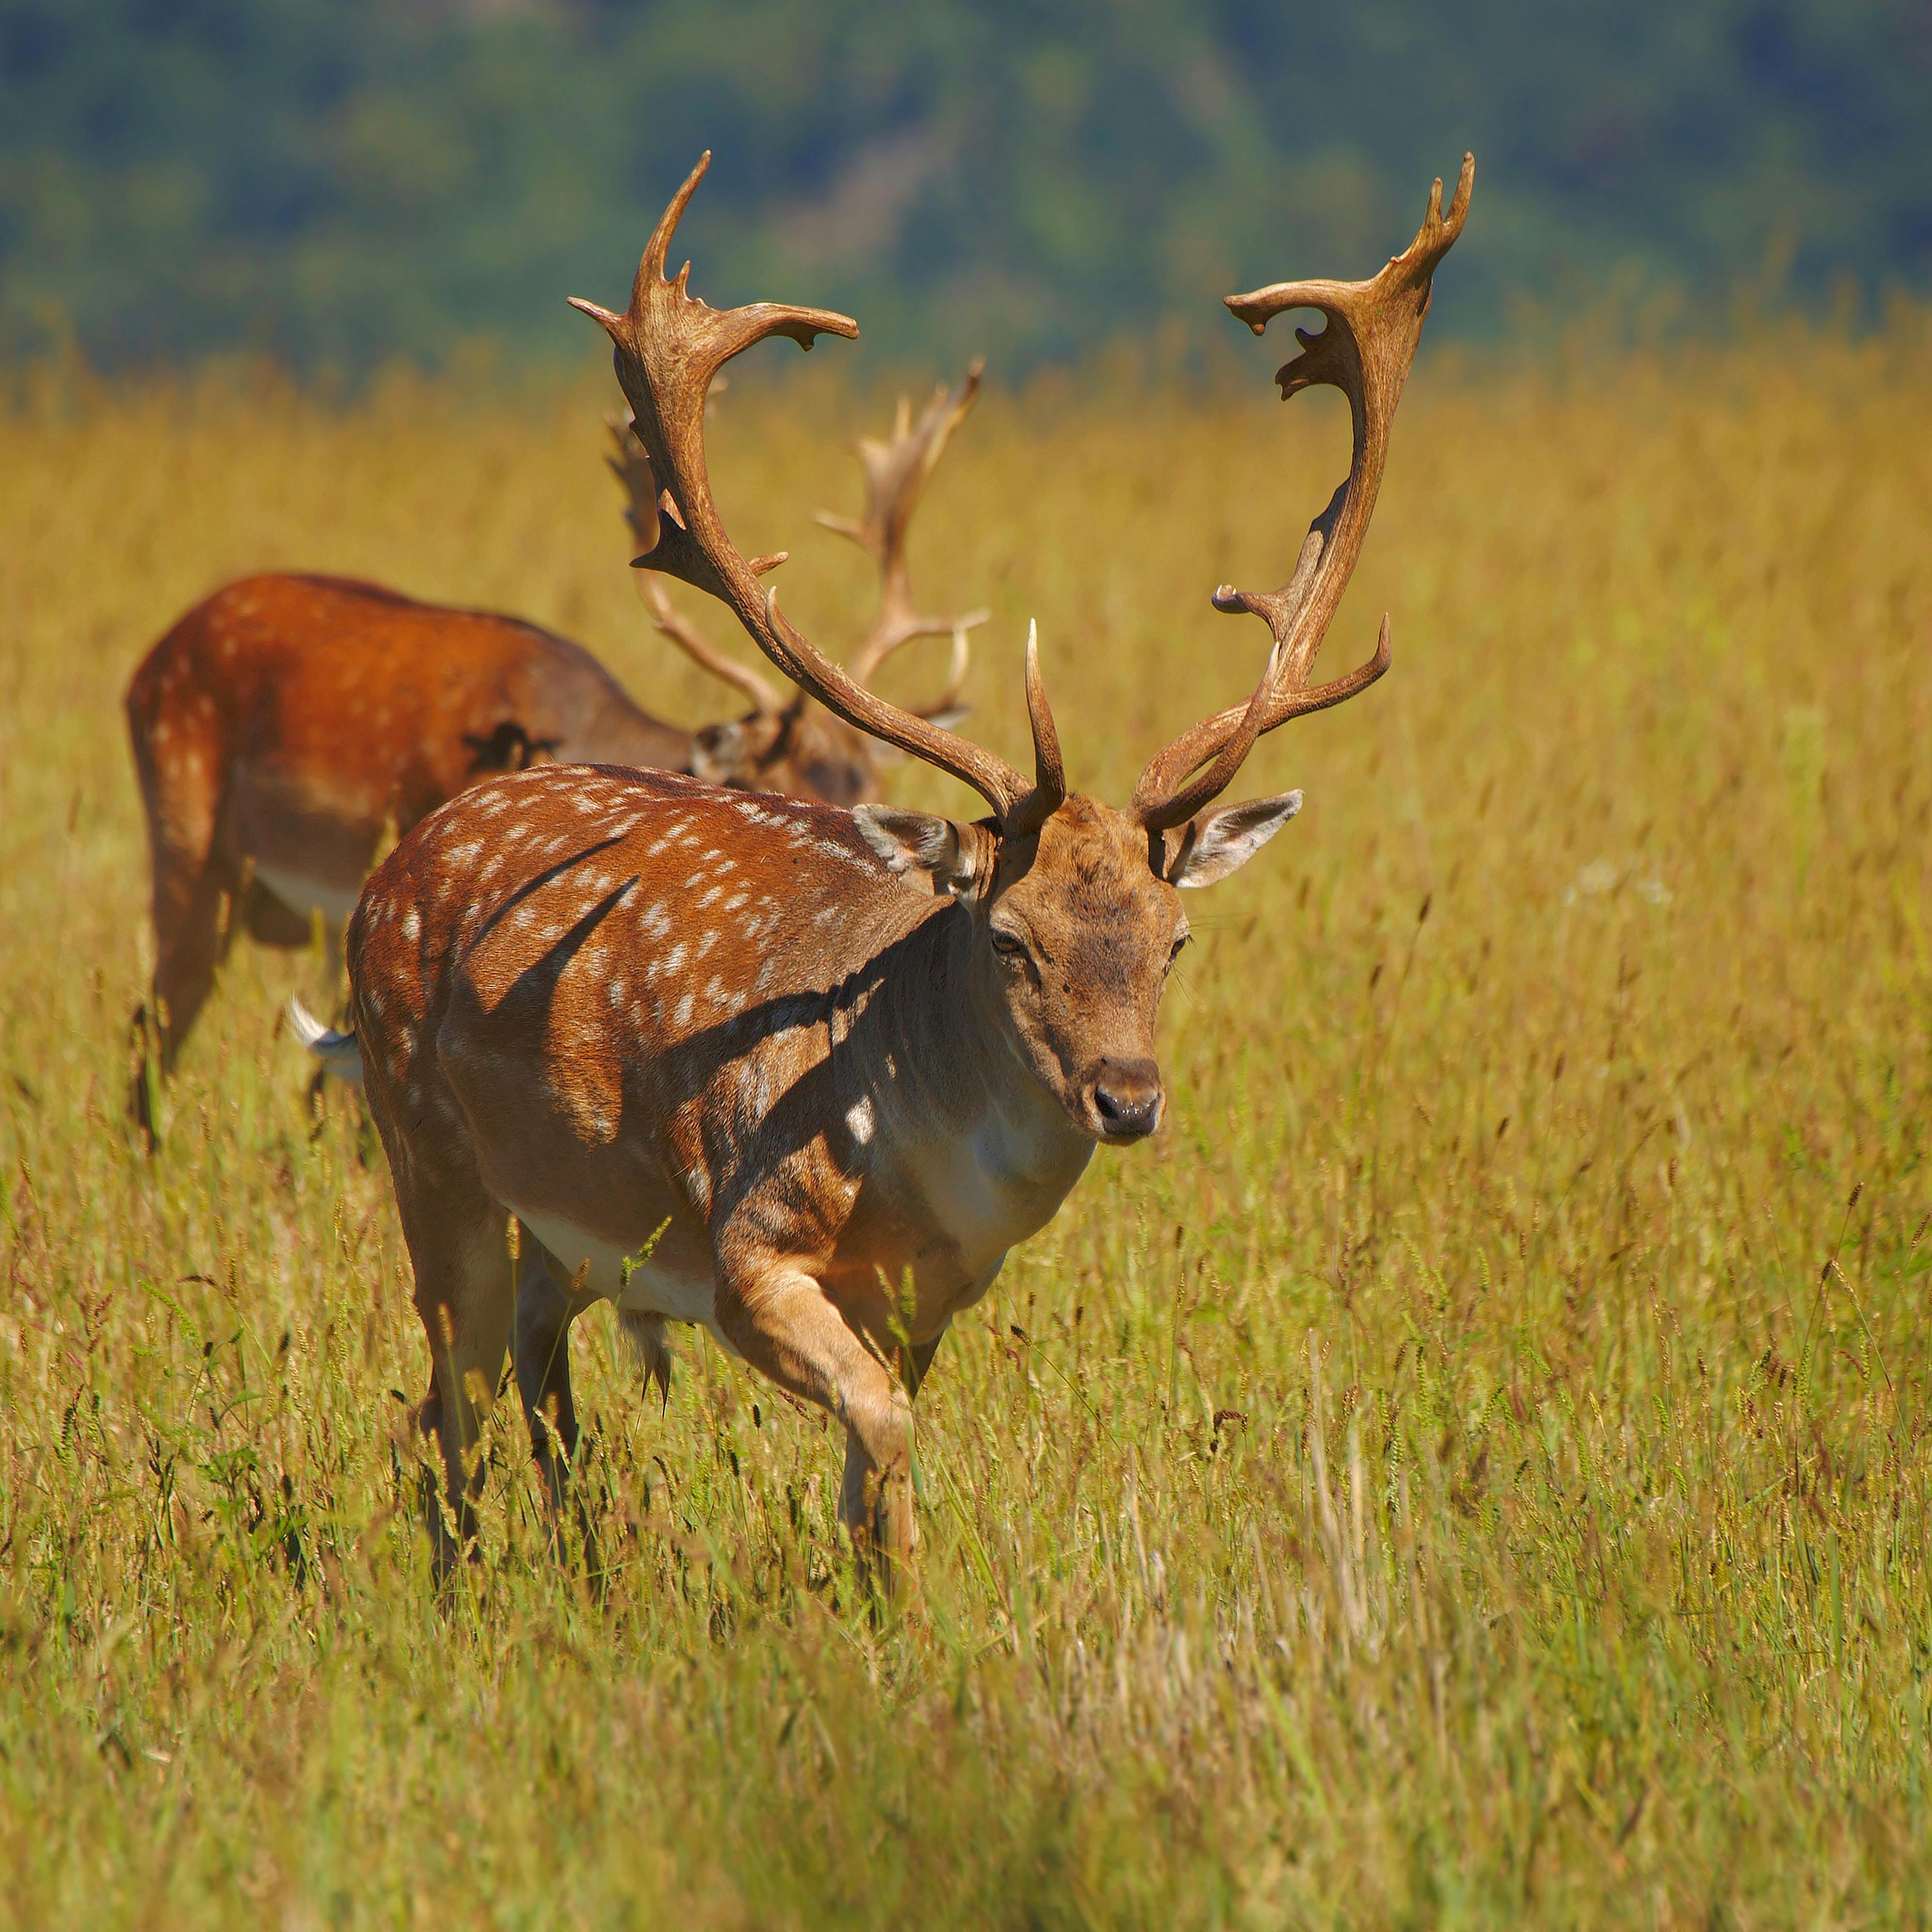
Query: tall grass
x,y
1472,1469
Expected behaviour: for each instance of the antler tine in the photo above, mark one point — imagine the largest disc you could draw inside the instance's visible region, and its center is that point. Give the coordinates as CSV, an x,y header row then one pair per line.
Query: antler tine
x,y
1364,349
866,661
1049,791
668,345
962,654
631,464
673,624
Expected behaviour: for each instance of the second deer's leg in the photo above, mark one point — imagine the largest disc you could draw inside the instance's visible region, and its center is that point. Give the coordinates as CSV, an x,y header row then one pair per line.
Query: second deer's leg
x,y
194,912
270,922
781,1321
193,873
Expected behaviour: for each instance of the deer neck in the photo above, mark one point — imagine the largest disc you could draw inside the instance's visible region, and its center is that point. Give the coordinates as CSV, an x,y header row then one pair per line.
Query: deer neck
x,y
618,733
992,1151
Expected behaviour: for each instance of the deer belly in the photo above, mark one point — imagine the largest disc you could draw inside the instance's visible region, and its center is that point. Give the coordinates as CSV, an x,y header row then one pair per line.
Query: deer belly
x,y
309,844
303,896
639,1286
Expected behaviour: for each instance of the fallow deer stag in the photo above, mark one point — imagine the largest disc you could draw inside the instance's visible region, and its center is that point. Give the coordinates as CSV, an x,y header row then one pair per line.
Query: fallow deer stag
x,y
842,1060
282,724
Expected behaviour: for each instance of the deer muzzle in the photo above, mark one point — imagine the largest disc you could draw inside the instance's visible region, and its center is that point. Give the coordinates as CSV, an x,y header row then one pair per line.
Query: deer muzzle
x,y
1124,1099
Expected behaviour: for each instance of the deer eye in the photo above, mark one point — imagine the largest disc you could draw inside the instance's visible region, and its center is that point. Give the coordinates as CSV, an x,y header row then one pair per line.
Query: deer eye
x,y
1173,952
1007,944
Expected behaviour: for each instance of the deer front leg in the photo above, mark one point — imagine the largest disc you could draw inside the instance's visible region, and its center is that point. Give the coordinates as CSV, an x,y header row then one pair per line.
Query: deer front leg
x,y
541,1353
780,1320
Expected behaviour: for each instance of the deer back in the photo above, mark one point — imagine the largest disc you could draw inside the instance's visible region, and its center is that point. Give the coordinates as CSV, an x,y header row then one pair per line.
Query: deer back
x,y
305,712
641,999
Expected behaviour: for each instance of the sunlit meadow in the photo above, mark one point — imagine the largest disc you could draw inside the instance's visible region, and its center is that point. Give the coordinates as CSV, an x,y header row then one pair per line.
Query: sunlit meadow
x,y
1471,1469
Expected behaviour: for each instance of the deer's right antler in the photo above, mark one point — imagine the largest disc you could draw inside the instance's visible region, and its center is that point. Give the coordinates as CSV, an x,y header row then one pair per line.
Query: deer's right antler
x,y
668,345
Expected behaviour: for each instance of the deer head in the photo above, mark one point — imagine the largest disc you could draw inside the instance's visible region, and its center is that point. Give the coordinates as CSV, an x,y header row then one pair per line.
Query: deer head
x,y
1075,916
798,745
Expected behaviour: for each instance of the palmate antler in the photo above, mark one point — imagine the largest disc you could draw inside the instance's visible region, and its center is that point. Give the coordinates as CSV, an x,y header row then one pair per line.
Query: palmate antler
x,y
1364,350
668,345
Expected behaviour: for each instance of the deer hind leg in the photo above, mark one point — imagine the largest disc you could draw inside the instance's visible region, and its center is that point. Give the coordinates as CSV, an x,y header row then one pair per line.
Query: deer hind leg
x,y
271,922
197,880
465,1300
194,905
198,943
781,1321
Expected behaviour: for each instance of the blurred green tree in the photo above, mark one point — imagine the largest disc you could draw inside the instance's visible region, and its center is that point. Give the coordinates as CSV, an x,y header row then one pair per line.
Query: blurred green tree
x,y
341,181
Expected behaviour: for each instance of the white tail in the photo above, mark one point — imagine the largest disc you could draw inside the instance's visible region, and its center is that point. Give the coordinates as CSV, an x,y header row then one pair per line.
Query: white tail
x,y
338,1051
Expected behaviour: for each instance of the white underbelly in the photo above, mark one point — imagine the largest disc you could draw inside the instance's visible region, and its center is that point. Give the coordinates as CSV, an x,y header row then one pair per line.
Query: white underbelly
x,y
639,1286
304,896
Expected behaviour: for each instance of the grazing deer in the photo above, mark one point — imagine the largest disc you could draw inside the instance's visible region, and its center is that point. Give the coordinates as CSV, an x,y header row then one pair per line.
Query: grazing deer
x,y
282,724
803,1075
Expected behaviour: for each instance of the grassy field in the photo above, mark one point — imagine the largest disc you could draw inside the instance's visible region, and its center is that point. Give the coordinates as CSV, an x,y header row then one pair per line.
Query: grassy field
x,y
1472,1470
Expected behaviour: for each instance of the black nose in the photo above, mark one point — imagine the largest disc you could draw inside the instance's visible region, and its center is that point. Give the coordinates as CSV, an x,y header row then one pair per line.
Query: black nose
x,y
1127,1096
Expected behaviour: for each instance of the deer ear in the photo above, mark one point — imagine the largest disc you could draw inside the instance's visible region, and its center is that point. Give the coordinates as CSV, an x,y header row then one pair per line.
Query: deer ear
x,y
718,752
955,857
1213,844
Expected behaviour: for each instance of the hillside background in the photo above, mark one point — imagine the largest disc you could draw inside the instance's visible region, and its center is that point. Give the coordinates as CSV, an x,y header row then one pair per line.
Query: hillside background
x,y
338,185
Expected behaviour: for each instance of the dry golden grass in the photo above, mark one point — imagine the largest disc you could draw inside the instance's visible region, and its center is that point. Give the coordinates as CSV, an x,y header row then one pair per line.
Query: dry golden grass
x,y
1472,1470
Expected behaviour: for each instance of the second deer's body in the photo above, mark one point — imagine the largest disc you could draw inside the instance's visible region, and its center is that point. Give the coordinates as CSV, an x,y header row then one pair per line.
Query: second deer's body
x,y
281,723
285,723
